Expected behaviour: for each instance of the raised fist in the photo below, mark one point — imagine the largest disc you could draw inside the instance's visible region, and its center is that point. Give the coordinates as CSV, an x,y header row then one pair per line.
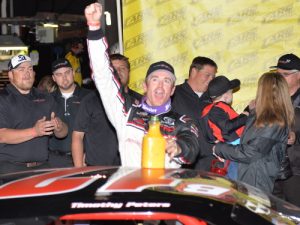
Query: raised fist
x,y
93,13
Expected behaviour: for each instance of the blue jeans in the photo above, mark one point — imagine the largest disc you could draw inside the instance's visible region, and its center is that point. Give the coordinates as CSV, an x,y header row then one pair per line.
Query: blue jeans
x,y
233,166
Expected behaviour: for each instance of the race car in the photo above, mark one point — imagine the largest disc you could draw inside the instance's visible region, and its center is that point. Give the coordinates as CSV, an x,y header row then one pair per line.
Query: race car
x,y
118,195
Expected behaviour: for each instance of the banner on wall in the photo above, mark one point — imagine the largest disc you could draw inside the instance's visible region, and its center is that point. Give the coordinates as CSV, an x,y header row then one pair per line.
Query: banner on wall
x,y
244,38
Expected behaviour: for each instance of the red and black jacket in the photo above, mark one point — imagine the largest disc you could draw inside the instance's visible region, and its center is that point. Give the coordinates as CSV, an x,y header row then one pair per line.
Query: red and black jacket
x,y
219,121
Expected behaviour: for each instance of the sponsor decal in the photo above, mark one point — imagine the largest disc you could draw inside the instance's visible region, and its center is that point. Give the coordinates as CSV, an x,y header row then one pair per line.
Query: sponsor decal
x,y
242,15
168,121
172,40
136,18
280,13
216,56
167,129
142,113
139,121
211,37
204,17
177,15
242,61
242,38
279,36
140,61
137,40
178,59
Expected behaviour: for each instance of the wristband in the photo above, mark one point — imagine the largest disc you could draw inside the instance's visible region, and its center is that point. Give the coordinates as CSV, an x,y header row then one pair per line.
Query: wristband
x,y
93,24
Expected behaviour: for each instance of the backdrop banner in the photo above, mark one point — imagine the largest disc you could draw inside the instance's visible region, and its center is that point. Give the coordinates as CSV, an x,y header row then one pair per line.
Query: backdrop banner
x,y
244,38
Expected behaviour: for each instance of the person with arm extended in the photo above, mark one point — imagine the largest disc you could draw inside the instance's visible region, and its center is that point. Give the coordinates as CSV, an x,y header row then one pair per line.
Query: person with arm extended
x,y
131,120
262,147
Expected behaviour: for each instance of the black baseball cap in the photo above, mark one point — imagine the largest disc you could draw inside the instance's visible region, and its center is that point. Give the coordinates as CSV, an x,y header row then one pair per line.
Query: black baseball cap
x,y
221,85
288,62
161,65
60,63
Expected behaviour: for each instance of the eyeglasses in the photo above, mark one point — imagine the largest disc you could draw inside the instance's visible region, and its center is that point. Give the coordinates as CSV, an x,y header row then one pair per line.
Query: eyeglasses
x,y
288,74
66,73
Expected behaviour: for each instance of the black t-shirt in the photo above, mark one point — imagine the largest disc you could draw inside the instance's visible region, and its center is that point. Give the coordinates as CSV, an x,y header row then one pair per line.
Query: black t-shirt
x,y
100,139
67,112
18,111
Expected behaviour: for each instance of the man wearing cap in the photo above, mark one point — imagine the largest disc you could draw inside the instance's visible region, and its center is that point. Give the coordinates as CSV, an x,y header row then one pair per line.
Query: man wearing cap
x,y
289,67
130,120
68,96
27,119
191,97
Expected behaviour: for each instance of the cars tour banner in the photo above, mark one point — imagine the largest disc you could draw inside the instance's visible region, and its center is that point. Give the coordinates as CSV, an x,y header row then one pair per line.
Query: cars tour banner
x,y
244,38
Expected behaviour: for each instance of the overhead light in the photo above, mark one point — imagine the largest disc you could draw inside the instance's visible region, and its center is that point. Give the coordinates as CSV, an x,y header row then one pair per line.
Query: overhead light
x,y
11,45
65,24
11,42
7,48
50,25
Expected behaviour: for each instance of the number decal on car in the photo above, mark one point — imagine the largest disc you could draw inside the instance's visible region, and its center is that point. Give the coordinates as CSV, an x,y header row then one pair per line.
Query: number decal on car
x,y
135,180
55,182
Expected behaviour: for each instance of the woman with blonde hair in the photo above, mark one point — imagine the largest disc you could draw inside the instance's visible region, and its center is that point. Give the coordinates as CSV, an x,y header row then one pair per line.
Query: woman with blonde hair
x,y
263,143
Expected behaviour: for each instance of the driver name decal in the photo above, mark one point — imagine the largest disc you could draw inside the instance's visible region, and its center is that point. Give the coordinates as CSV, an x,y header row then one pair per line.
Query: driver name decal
x,y
119,205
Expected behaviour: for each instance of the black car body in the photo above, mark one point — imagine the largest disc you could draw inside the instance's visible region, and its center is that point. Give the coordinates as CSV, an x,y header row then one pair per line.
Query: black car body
x,y
116,194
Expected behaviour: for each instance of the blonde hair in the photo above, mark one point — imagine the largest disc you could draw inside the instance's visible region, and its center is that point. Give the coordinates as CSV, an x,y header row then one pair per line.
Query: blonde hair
x,y
273,101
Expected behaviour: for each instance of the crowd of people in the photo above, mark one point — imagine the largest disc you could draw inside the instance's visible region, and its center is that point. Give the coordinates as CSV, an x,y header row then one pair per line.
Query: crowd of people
x,y
62,124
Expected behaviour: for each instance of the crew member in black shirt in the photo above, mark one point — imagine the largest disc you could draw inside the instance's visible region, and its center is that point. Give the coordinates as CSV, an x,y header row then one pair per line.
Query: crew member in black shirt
x,y
191,97
93,135
68,96
27,119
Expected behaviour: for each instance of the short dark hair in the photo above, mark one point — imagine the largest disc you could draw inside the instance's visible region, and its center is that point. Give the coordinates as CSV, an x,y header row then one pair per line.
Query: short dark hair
x,y
75,41
199,62
118,56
